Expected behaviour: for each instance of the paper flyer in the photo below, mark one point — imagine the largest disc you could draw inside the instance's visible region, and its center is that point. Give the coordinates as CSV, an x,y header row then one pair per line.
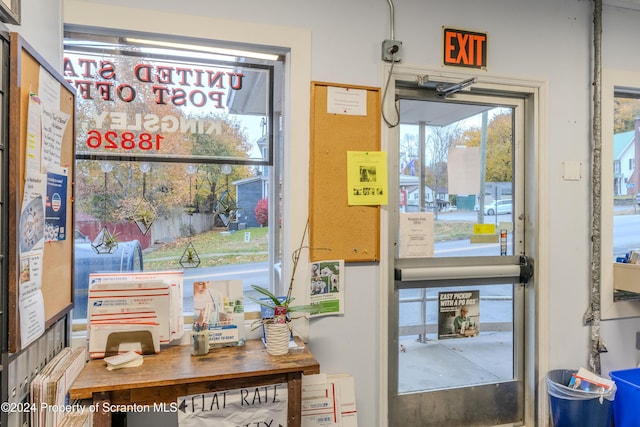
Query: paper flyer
x,y
416,235
458,314
220,304
32,216
344,100
54,123
48,88
34,136
56,206
30,299
327,287
31,233
367,178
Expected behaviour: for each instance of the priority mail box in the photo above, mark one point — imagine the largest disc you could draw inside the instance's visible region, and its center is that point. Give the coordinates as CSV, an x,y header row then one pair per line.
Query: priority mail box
x,y
175,279
120,314
107,295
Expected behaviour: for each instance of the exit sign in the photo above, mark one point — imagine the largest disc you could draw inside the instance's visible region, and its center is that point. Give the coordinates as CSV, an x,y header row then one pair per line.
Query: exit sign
x,y
464,48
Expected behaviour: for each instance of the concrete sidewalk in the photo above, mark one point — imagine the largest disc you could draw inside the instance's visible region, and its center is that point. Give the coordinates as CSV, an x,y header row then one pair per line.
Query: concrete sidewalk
x,y
454,362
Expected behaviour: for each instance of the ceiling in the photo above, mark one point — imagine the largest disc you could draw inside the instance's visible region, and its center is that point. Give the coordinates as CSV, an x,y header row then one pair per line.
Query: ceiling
x,y
434,113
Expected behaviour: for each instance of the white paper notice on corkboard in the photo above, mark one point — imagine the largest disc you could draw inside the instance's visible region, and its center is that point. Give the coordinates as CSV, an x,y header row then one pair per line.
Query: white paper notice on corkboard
x,y
345,100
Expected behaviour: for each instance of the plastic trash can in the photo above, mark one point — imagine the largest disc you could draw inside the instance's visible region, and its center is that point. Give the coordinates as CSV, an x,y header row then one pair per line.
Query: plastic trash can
x,y
625,406
577,408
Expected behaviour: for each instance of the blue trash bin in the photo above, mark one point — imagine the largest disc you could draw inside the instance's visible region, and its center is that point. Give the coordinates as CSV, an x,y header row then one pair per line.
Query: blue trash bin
x,y
625,406
577,408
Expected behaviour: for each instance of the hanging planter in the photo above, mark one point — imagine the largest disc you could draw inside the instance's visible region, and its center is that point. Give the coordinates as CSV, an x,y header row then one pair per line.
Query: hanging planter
x,y
144,216
105,242
145,213
190,258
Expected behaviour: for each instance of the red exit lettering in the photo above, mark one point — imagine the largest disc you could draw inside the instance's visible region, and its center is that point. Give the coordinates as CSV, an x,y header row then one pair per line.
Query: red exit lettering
x,y
465,48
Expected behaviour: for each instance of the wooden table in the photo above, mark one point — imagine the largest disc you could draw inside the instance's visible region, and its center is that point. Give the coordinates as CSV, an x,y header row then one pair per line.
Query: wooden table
x,y
173,372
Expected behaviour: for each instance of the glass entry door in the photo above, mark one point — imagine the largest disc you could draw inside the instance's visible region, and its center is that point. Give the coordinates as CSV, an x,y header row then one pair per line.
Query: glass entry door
x,y
457,303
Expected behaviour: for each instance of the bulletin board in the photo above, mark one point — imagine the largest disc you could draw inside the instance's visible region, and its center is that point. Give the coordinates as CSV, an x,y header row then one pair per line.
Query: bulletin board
x,y
26,67
338,230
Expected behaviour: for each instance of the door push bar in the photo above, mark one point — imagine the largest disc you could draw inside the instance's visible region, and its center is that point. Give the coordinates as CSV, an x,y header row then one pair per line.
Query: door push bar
x,y
419,272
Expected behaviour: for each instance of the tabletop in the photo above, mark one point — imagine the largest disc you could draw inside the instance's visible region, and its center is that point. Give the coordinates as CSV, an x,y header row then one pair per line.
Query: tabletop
x,y
174,366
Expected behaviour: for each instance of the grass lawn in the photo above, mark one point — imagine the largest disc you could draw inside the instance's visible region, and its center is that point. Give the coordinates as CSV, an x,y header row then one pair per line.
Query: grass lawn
x,y
452,230
221,247
214,247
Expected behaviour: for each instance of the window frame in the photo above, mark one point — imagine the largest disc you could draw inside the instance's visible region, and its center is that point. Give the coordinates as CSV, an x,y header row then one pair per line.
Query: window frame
x,y
295,44
614,81
274,161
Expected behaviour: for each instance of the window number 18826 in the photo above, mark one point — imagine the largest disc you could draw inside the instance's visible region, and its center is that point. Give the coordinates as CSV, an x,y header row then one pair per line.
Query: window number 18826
x,y
125,140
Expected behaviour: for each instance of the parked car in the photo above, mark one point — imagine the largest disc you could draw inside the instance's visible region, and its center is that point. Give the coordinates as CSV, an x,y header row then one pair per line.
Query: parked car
x,y
499,207
126,257
638,198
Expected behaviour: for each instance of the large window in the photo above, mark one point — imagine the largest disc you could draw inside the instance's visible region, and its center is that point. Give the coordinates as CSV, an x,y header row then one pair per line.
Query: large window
x,y
626,179
177,159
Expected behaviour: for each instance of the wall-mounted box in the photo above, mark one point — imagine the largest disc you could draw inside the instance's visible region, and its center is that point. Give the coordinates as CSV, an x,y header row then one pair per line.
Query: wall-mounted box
x,y
626,277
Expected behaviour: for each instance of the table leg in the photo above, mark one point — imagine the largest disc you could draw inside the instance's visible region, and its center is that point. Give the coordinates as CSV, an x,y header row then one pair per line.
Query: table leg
x,y
101,418
294,409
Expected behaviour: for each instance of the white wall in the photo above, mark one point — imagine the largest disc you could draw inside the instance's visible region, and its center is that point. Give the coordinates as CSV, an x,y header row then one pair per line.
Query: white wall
x,y
340,41
41,27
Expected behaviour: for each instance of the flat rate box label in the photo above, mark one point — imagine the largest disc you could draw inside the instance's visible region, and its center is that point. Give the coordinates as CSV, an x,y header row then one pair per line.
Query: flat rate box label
x,y
254,406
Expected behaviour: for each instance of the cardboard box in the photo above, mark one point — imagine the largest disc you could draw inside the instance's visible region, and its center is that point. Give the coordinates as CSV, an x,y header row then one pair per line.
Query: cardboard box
x,y
174,277
116,295
626,277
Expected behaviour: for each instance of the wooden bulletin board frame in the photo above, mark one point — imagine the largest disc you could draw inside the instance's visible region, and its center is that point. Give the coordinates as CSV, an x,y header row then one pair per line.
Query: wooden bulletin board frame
x,y
337,230
57,278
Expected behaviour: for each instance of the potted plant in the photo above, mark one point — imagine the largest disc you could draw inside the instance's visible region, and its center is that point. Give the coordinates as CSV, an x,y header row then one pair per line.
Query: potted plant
x,y
277,317
276,320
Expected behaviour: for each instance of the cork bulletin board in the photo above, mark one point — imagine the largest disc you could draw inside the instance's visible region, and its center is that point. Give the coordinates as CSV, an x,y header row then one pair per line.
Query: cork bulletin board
x,y
338,230
26,67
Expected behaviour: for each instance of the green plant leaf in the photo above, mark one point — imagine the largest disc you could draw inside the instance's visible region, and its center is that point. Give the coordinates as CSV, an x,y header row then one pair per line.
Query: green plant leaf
x,y
268,304
274,301
311,309
270,295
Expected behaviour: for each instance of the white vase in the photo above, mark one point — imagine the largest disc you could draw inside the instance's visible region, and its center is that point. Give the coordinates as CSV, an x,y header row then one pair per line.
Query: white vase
x,y
277,338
